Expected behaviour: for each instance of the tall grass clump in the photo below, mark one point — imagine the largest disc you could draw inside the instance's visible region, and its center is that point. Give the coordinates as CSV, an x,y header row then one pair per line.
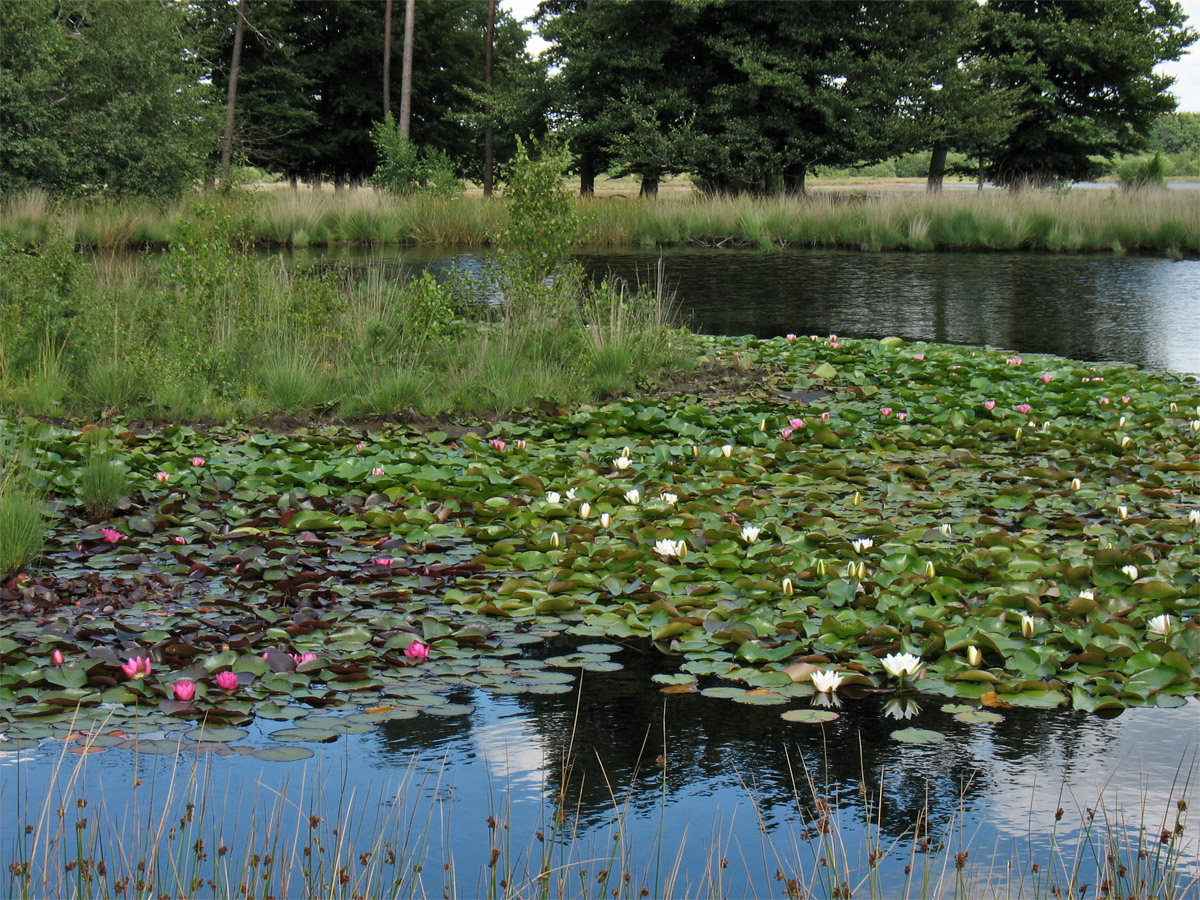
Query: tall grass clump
x,y
22,525
103,481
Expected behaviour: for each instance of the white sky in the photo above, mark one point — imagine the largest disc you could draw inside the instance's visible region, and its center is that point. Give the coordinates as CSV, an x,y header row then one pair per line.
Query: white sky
x,y
1186,71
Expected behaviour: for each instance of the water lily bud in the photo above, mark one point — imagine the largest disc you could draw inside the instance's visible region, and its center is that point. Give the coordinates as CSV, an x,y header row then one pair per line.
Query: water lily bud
x,y
856,499
1125,441
787,587
625,452
945,529
1174,407
974,657
1122,512
1027,625
1194,517
862,570
762,426
554,539
605,520
930,570
1019,434
1076,484
57,658
585,509
695,451
1196,425
727,449
1131,571
1121,422
820,567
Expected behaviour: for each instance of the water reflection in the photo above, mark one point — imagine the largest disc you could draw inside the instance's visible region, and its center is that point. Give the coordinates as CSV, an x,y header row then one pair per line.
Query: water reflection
x,y
1137,310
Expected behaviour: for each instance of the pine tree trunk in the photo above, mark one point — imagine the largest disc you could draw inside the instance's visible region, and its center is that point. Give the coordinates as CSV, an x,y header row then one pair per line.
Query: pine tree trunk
x,y
231,98
387,58
406,68
937,168
488,158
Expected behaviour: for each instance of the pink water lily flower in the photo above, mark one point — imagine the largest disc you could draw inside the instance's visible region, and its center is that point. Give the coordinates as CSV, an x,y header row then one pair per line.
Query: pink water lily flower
x,y
377,471
989,404
790,336
1046,378
57,658
497,444
885,411
1126,399
303,657
136,668
227,681
162,477
785,433
197,460
1023,408
111,535
178,539
918,356
901,416
417,651
795,423
382,561
1104,401
184,690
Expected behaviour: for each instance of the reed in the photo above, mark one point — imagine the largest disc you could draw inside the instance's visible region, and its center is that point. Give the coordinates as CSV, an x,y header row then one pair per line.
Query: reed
x,y
187,832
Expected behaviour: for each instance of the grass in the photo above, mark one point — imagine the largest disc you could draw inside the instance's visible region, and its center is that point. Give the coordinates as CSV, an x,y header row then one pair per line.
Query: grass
x,y
102,483
189,832
865,217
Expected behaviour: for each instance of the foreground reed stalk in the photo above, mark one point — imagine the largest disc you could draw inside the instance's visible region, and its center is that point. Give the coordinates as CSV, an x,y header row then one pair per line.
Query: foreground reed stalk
x,y
182,835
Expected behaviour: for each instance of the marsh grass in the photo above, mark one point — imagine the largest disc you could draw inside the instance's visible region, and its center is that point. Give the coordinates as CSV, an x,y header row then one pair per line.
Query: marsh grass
x,y
103,481
862,218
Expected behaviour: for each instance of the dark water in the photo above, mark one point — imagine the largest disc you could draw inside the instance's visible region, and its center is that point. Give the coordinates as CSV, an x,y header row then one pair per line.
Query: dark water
x,y
1139,310
665,786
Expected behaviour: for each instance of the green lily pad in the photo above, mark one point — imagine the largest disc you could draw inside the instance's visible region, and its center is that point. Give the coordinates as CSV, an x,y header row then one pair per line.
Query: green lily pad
x,y
918,736
810,716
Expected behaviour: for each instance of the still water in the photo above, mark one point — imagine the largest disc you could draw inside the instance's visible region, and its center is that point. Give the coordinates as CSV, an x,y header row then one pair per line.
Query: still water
x,y
695,796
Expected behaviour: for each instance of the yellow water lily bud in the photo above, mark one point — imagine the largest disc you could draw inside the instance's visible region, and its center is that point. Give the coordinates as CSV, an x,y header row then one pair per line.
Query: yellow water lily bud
x,y
787,587
974,657
554,539
856,499
930,570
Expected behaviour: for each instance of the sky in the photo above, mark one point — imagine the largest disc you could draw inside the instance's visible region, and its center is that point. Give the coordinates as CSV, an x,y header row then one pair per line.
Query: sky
x,y
1186,71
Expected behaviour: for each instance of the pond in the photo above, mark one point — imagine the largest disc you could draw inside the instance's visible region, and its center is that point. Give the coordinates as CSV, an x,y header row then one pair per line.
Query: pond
x,y
638,776
1139,310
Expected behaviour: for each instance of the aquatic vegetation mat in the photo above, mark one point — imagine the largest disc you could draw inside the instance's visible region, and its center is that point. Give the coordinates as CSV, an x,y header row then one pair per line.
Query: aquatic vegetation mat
x,y
870,516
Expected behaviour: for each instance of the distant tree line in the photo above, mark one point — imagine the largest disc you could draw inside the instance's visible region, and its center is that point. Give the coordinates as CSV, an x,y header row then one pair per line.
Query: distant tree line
x,y
129,96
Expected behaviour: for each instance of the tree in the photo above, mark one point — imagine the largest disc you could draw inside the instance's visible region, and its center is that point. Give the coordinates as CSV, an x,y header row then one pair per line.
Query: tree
x,y
101,96
231,94
1086,68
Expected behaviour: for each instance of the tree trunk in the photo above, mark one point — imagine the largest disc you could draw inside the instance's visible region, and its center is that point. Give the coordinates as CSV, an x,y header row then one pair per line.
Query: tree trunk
x,y
231,99
387,58
794,180
587,173
410,8
649,189
937,168
488,154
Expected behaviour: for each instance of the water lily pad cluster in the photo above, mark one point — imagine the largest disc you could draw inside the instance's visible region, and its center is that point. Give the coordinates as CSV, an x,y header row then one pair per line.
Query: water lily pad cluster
x,y
1025,528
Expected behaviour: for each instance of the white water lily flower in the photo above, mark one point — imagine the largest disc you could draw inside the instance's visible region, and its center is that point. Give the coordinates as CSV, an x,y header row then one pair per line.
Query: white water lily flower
x,y
553,498
750,533
1196,425
1131,571
974,657
900,665
668,498
1087,595
1194,517
1122,512
634,496
861,544
727,449
1160,625
585,509
622,463
945,529
1027,625
605,520
571,494
668,547
826,681
1076,484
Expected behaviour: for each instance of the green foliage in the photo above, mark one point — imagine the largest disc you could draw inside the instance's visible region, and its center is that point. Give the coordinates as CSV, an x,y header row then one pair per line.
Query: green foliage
x,y
405,169
1142,174
100,97
21,529
40,296
543,225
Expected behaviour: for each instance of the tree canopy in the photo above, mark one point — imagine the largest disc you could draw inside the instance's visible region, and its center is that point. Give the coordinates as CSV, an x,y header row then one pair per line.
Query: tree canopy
x,y
126,95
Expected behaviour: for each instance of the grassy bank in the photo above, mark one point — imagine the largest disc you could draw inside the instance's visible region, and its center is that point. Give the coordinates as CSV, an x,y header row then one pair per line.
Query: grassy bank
x,y
208,331
861,217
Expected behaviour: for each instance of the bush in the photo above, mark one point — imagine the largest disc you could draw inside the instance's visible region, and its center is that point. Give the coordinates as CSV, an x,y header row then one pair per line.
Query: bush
x,y
405,169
